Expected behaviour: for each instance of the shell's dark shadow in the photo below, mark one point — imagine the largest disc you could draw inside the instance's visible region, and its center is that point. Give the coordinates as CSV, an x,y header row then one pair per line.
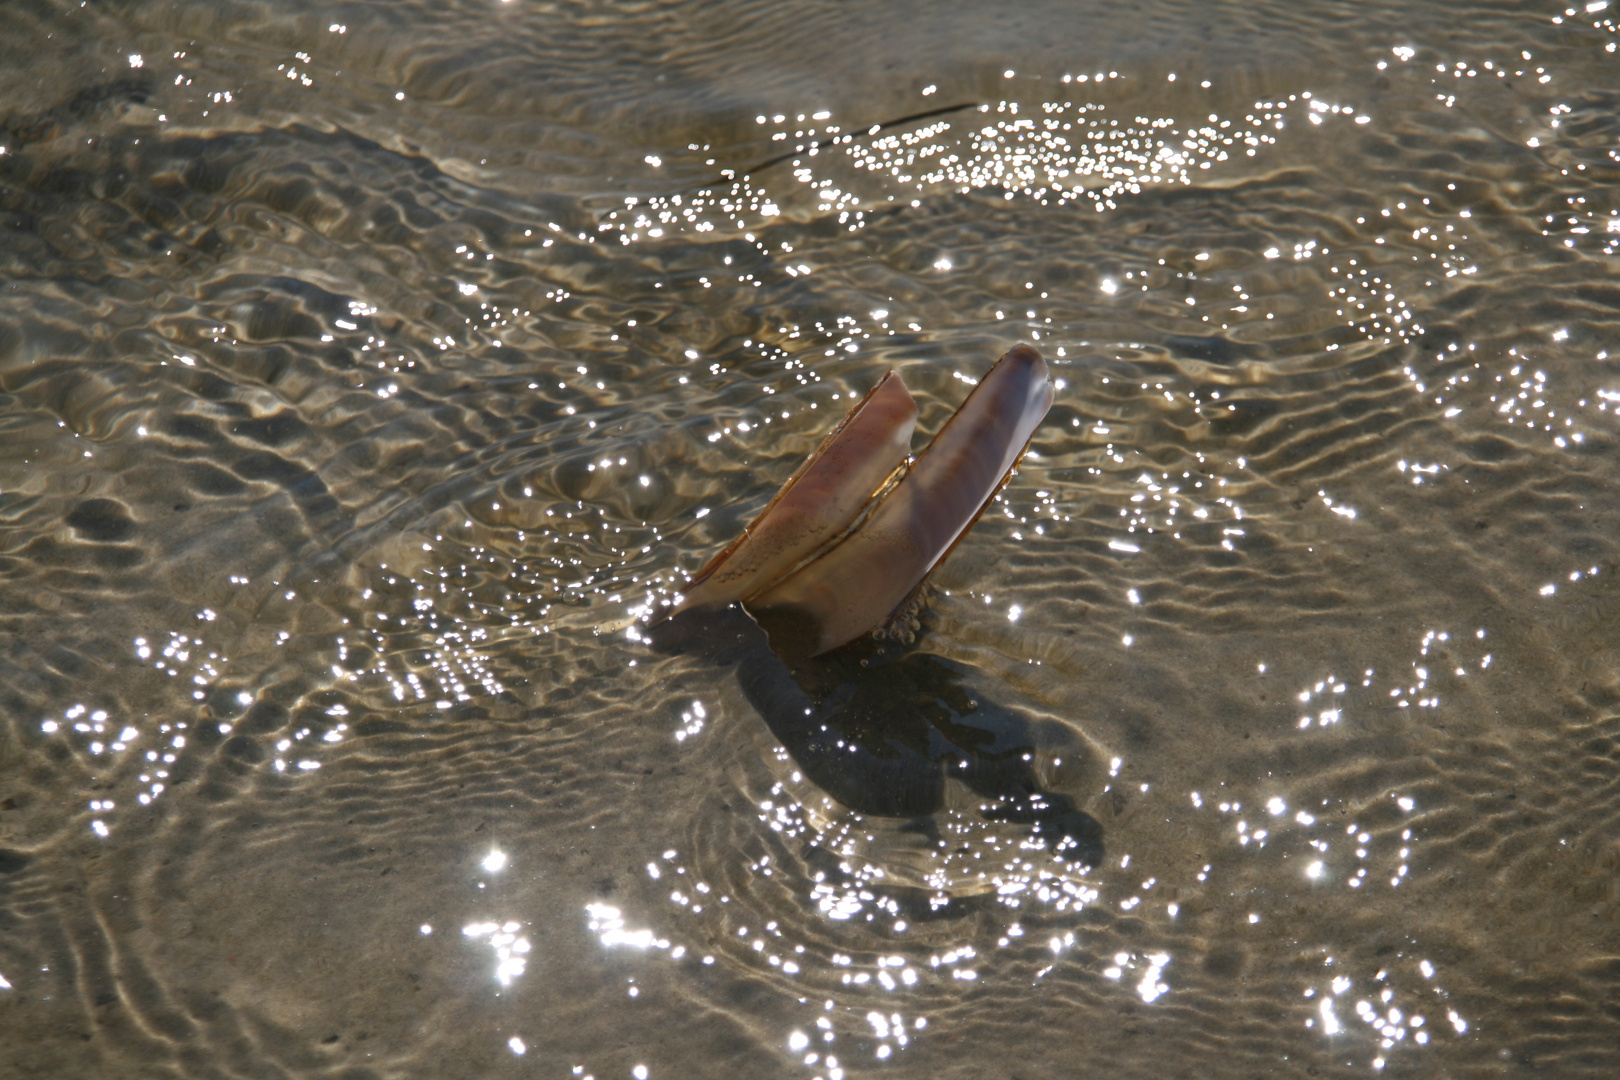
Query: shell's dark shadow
x,y
882,728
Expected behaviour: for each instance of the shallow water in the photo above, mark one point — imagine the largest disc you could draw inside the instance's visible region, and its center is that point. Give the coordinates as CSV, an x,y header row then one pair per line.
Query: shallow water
x,y
366,370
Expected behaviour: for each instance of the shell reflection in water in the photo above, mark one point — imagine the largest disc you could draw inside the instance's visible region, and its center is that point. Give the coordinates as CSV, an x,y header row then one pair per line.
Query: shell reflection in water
x,y
901,733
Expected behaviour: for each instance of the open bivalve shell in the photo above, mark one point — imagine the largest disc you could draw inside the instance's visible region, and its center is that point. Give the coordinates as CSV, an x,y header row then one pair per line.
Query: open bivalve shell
x,y
844,543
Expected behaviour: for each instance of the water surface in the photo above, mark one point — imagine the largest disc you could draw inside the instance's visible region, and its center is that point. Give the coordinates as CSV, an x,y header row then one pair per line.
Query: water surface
x,y
367,370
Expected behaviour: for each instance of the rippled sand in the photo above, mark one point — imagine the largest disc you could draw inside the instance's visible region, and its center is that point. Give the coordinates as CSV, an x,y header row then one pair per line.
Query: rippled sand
x,y
366,370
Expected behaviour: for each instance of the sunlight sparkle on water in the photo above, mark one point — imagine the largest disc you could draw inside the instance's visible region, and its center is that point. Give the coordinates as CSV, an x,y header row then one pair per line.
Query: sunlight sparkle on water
x,y
608,924
511,948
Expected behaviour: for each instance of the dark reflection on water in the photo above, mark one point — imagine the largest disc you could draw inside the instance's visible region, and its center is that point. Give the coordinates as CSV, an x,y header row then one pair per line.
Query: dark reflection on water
x,y
882,727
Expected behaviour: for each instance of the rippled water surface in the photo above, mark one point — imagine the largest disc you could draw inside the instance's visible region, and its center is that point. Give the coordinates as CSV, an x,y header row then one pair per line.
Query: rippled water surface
x,y
368,369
